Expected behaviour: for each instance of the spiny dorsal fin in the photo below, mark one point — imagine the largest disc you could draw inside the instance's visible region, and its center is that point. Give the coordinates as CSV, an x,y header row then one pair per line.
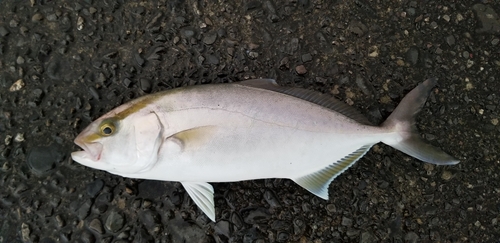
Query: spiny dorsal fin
x,y
315,97
318,182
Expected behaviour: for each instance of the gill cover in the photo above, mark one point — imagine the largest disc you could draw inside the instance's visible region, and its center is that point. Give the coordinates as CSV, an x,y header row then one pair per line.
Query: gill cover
x,y
137,150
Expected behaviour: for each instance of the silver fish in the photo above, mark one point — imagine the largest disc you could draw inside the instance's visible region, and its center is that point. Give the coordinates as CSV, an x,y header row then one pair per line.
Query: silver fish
x,y
243,131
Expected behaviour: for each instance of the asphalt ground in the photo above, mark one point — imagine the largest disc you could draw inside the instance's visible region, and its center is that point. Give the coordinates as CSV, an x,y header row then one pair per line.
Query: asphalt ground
x,y
65,63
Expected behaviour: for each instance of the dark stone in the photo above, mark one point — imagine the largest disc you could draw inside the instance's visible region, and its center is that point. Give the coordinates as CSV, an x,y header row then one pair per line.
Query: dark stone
x,y
271,199
211,59
86,237
411,237
223,227
209,38
306,57
102,201
412,56
149,218
256,215
94,187
253,5
182,231
281,225
47,240
138,59
251,235
346,221
94,93
283,237
450,40
84,209
490,21
3,31
96,226
127,82
150,189
188,32
114,221
54,69
42,159
145,85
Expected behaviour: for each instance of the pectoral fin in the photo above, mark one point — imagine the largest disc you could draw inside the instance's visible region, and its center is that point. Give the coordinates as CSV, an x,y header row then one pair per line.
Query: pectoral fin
x,y
202,194
318,182
191,139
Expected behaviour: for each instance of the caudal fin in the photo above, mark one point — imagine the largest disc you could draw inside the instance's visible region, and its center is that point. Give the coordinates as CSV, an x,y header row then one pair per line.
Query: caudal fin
x,y
402,121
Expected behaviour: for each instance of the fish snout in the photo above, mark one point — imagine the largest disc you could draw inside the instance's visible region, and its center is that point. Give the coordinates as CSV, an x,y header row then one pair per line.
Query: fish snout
x,y
93,150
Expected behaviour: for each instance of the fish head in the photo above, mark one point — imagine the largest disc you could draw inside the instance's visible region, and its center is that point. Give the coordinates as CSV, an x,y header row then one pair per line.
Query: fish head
x,y
121,143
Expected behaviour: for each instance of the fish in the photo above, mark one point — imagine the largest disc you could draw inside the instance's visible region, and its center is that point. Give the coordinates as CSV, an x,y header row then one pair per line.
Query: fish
x,y
246,130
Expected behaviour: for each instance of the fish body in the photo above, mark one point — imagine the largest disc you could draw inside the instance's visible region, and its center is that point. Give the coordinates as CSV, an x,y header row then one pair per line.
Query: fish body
x,y
242,131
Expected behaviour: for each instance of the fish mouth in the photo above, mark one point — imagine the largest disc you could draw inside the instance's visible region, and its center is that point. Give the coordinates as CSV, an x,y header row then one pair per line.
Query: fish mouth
x,y
91,151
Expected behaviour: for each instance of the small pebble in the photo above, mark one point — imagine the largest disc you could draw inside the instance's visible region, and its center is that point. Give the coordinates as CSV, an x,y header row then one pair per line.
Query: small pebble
x,y
306,57
13,23
253,54
114,222
51,17
284,63
434,25
79,23
446,175
210,38
25,232
346,221
188,32
145,85
127,82
494,121
20,60
3,31
373,51
19,138
8,139
301,70
96,226
95,187
19,84
37,17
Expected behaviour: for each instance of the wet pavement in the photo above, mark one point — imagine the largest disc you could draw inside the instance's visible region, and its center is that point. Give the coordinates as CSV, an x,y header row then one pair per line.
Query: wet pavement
x,y
65,63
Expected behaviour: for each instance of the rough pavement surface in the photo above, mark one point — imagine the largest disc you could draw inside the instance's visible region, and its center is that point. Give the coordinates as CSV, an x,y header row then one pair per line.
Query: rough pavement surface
x,y
64,63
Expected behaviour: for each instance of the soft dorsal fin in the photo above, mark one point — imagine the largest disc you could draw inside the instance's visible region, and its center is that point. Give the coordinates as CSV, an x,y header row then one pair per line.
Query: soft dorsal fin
x,y
318,182
315,97
202,194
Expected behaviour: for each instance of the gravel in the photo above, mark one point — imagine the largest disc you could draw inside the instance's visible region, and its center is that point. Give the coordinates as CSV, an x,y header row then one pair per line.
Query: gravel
x,y
64,64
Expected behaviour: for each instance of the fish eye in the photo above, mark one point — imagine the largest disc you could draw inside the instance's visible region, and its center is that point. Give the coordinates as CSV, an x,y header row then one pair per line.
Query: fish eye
x,y
107,129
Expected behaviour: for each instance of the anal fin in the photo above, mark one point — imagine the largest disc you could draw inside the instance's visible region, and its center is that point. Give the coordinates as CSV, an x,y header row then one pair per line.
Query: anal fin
x,y
202,194
318,182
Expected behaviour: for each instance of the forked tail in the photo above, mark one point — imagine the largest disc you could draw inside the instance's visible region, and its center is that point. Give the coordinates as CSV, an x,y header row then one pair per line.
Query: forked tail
x,y
402,121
